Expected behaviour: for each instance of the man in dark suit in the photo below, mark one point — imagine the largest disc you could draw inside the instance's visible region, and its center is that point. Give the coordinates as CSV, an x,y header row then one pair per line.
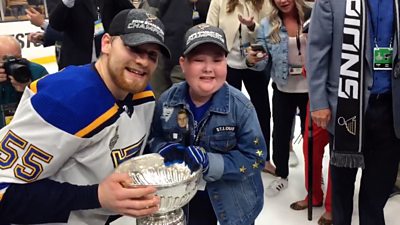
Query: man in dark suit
x,y
176,15
354,93
76,19
83,23
48,36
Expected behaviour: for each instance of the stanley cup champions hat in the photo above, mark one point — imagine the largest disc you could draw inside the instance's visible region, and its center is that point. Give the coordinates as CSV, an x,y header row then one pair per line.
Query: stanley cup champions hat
x,y
204,33
136,27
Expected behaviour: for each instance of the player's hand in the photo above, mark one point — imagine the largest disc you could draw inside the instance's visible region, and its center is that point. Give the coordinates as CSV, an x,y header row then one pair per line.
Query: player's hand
x,y
3,75
130,201
35,16
248,21
321,117
20,87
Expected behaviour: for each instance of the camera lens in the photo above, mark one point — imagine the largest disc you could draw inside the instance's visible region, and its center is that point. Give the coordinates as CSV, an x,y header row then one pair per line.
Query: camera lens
x,y
21,73
17,68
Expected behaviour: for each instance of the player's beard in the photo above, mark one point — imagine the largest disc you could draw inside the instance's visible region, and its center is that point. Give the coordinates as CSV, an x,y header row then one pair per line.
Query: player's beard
x,y
128,83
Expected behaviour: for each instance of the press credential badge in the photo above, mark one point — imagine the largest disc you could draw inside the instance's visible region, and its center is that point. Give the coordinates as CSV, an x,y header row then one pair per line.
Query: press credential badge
x,y
383,58
98,27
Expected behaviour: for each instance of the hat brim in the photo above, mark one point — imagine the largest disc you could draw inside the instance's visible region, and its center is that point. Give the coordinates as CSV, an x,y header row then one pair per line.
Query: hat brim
x,y
135,39
194,45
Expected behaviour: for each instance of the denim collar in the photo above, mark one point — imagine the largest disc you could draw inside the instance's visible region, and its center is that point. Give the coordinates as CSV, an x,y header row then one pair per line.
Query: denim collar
x,y
219,103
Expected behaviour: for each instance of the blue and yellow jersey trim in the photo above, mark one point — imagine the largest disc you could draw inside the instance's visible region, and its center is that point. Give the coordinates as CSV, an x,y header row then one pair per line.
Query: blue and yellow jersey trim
x,y
97,122
75,100
143,97
33,86
3,188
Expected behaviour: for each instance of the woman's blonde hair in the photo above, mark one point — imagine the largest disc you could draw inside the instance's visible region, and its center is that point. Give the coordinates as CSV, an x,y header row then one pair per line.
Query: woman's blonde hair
x,y
275,19
231,5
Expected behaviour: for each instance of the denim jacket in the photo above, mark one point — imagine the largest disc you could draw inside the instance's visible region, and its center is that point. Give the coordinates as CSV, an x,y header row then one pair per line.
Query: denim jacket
x,y
278,52
231,135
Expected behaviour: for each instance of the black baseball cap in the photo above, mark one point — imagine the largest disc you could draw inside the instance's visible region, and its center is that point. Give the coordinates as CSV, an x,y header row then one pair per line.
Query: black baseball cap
x,y
204,33
137,27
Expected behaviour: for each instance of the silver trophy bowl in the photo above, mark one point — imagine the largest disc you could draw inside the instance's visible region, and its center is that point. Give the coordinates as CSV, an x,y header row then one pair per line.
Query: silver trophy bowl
x,y
176,185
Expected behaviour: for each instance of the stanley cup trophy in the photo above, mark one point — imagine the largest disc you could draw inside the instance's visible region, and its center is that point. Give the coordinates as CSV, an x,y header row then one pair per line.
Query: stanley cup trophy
x,y
176,185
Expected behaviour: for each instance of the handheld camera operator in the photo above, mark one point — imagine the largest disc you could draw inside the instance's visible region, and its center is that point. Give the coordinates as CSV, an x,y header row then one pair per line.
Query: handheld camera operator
x,y
15,74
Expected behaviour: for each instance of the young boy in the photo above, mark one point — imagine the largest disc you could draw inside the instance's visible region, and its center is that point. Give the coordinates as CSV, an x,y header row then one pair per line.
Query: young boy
x,y
223,133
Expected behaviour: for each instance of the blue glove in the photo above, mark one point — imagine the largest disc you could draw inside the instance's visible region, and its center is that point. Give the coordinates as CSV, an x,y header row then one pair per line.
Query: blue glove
x,y
198,156
173,153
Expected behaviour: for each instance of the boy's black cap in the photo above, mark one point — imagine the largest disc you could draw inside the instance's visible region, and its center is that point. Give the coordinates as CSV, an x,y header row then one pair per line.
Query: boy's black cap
x,y
137,27
204,33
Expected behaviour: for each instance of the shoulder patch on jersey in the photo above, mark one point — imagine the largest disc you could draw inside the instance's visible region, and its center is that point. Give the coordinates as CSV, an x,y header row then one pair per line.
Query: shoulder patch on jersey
x,y
75,100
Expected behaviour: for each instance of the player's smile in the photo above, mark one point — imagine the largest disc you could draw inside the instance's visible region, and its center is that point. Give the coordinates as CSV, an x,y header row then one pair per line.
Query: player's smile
x,y
136,72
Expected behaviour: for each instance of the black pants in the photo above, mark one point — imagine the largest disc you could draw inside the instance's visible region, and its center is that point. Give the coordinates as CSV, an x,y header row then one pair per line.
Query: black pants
x,y
284,106
256,84
381,155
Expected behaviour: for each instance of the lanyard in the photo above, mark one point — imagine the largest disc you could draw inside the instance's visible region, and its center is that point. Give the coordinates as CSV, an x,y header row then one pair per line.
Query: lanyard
x,y
298,43
98,12
241,47
200,130
240,41
96,8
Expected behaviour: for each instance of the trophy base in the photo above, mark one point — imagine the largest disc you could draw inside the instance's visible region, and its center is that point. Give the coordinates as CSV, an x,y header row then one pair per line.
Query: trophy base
x,y
175,217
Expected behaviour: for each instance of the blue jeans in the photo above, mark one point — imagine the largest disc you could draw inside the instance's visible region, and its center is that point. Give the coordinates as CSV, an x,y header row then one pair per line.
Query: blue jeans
x,y
201,211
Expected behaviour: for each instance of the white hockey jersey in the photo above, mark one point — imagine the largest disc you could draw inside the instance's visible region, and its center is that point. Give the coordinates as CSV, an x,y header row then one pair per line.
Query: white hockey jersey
x,y
68,127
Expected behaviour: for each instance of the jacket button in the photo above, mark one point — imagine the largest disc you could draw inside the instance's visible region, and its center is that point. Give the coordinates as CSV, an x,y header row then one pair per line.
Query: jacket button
x,y
215,197
222,215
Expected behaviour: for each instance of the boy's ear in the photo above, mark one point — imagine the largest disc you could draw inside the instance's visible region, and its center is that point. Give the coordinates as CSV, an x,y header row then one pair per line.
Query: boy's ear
x,y
182,63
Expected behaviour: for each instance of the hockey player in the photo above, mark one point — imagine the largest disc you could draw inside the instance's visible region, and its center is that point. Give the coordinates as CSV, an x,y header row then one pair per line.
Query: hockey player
x,y
72,128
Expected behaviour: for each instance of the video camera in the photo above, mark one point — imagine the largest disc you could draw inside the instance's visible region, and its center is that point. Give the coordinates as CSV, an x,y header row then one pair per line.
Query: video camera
x,y
18,68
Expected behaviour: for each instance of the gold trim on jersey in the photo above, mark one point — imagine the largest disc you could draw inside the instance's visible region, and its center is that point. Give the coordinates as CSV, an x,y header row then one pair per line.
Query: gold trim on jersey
x,y
2,191
96,123
33,86
120,155
143,94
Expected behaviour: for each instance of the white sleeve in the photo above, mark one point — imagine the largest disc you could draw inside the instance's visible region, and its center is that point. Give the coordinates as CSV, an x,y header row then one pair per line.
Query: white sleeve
x,y
33,149
213,13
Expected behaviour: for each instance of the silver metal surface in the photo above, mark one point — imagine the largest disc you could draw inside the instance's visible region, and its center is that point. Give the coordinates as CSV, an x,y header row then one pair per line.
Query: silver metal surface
x,y
176,185
175,217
